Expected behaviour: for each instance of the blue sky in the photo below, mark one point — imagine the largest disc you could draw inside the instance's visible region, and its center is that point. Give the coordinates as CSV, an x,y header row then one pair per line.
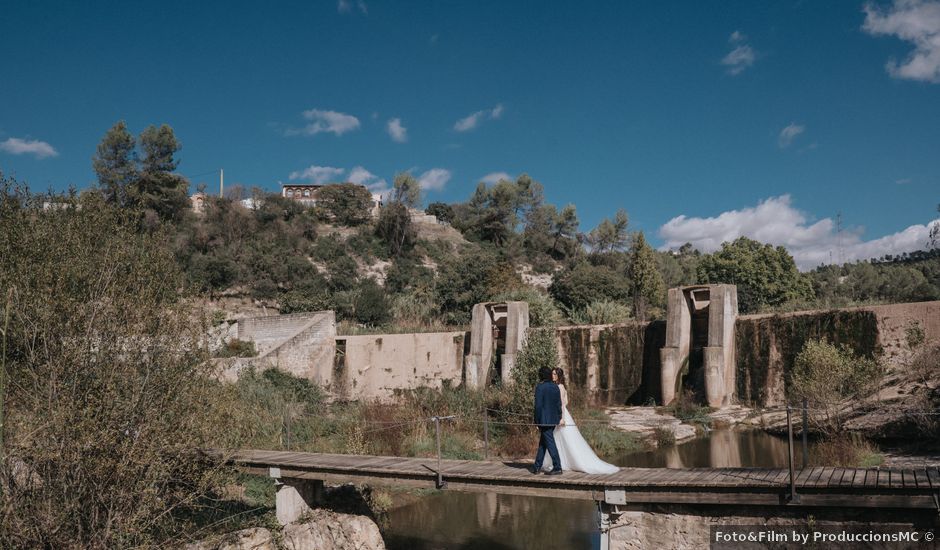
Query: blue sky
x,y
704,120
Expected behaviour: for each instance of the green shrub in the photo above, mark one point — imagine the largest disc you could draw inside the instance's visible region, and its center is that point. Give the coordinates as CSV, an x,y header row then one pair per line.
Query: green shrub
x,y
828,376
602,312
237,348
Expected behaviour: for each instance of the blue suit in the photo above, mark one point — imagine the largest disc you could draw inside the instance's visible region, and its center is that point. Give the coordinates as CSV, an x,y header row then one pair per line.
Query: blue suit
x,y
547,416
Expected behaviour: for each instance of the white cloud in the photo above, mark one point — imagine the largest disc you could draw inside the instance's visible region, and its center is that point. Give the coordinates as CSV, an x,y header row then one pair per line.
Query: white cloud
x,y
317,174
326,121
398,132
737,36
777,222
39,149
472,121
364,177
346,6
434,179
494,177
739,59
914,21
789,133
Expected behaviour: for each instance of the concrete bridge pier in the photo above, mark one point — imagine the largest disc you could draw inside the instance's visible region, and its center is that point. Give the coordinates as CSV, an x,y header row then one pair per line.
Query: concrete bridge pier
x,y
295,497
607,513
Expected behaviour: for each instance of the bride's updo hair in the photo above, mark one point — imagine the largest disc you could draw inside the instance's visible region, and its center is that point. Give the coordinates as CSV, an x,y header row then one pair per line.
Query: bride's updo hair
x,y
561,376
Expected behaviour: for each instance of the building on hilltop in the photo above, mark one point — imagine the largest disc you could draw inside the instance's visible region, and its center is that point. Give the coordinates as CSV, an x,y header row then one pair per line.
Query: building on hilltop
x,y
306,194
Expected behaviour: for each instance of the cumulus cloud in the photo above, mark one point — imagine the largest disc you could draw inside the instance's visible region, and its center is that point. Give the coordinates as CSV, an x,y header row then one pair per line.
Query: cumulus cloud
x,y
434,179
317,174
364,177
473,120
777,222
789,133
398,132
494,177
39,149
914,21
326,122
741,57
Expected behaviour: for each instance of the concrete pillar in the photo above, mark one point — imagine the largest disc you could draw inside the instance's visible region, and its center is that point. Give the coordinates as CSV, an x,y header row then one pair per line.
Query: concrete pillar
x,y
296,497
719,354
481,347
517,324
675,354
477,362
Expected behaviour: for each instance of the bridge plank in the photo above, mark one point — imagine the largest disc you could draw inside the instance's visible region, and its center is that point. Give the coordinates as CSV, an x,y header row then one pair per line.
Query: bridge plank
x,y
920,476
802,476
814,477
884,477
848,476
826,475
933,476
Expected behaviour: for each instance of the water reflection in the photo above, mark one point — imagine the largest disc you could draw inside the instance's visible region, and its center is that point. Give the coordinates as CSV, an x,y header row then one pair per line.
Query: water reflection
x,y
719,449
464,521
469,521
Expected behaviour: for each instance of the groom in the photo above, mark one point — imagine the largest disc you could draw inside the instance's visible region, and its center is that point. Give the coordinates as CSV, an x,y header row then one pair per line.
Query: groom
x,y
547,416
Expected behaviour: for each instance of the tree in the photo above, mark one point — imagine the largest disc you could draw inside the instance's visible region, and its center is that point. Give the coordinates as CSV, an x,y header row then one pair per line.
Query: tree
x,y
564,230
406,190
158,188
440,210
609,235
765,275
345,203
394,226
646,283
115,163
578,287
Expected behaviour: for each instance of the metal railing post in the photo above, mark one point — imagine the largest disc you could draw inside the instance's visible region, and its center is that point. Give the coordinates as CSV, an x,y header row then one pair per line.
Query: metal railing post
x,y
437,430
805,432
287,422
486,434
794,498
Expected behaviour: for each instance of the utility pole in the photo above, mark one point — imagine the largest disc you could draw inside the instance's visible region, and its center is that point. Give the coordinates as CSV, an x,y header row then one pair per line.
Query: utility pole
x,y
221,183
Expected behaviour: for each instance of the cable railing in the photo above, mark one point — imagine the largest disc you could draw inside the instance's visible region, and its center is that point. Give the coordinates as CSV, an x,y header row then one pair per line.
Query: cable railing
x,y
489,418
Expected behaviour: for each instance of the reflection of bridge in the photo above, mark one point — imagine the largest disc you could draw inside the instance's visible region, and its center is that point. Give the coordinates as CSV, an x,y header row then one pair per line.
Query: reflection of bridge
x,y
301,477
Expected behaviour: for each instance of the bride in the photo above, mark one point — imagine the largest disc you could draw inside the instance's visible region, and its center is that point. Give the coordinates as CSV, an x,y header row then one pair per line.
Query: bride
x,y
573,450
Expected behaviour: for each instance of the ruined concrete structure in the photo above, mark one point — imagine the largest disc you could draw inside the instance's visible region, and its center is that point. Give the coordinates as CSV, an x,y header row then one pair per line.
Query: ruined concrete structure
x,y
497,332
700,342
703,347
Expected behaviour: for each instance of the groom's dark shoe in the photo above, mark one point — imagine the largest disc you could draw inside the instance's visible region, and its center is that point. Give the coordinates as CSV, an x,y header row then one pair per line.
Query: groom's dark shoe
x,y
553,473
533,470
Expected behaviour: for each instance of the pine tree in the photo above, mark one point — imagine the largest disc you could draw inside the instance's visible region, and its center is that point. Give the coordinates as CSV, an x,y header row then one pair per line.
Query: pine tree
x,y
646,282
115,162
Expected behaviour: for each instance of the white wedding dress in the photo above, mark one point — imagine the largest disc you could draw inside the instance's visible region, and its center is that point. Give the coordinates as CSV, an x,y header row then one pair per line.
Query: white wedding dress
x,y
574,452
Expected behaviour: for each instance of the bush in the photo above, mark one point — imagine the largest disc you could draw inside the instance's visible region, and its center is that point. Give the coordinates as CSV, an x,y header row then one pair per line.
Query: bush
x,y
394,227
110,392
344,203
602,312
237,348
585,284
828,376
372,306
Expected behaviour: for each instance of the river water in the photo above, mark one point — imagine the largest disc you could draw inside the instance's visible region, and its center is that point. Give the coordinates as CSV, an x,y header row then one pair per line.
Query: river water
x,y
465,521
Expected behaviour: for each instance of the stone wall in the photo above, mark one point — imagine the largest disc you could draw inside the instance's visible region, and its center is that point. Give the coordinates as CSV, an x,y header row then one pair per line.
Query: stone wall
x,y
271,330
615,364
767,345
374,366
689,527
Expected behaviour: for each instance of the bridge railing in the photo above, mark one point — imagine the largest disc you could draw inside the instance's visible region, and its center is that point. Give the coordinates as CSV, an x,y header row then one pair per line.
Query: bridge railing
x,y
490,419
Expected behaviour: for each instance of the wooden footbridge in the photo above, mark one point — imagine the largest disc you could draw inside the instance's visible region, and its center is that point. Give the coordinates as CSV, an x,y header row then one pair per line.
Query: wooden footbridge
x,y
814,487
